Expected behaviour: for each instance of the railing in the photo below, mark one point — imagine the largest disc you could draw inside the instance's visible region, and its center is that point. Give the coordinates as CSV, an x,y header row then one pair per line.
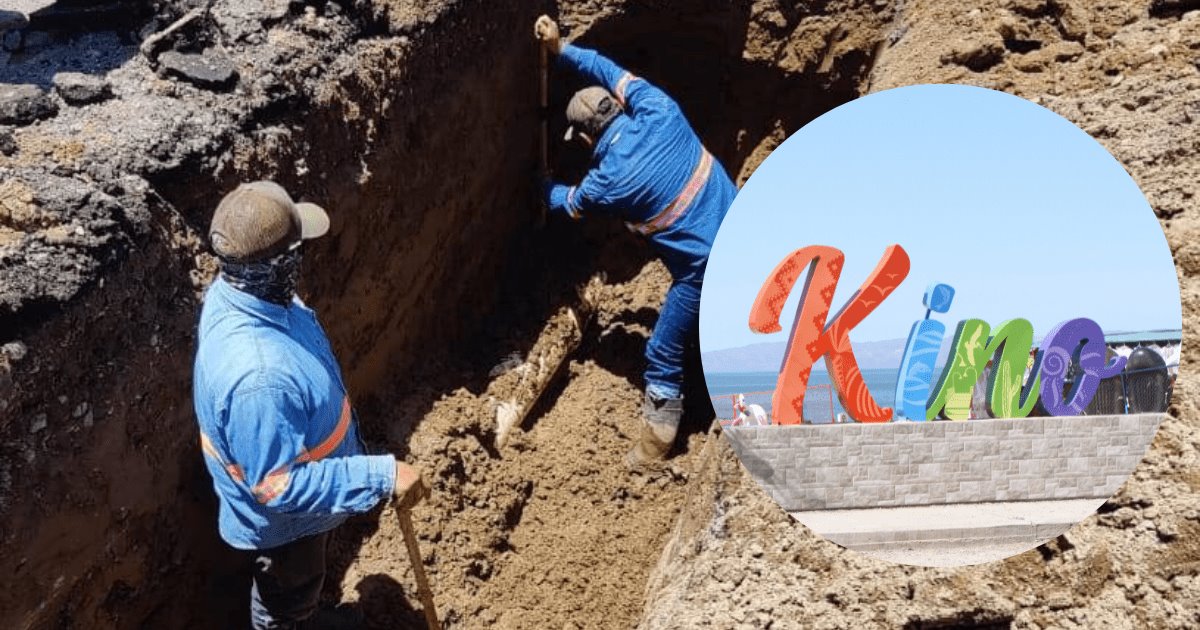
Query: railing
x,y
818,404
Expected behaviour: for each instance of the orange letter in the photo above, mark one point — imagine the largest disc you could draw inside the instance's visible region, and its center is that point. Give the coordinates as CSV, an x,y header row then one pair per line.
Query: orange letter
x,y
812,339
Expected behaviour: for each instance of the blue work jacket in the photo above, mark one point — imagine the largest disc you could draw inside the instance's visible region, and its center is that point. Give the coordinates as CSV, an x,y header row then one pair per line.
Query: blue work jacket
x,y
278,432
649,169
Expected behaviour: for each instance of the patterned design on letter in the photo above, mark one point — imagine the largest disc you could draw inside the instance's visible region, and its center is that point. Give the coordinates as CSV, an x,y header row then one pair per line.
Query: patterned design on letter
x,y
916,368
1082,338
967,359
811,338
1008,396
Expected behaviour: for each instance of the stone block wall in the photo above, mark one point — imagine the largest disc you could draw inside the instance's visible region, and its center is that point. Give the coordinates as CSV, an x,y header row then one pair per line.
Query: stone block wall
x,y
816,467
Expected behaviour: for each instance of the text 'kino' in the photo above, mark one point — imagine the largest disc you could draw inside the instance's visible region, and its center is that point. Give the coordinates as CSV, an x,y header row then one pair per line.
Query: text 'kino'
x,y
1009,392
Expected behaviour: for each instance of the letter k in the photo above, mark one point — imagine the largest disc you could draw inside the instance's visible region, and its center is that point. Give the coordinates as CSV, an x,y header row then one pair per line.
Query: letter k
x,y
811,338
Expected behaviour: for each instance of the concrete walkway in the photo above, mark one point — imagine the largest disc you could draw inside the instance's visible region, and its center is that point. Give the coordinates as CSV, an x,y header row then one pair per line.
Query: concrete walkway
x,y
949,535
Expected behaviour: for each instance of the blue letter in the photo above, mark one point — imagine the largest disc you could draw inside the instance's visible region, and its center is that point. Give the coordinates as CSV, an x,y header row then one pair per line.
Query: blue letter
x,y
920,354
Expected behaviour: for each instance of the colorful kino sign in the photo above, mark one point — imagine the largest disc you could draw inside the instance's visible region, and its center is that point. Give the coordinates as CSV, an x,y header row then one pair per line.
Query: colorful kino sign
x,y
1010,394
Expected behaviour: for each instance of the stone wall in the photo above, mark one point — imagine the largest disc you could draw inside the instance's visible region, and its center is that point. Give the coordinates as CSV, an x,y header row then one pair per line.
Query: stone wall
x,y
816,467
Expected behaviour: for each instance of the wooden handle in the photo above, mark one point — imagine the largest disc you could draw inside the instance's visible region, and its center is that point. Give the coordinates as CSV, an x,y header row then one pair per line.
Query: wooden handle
x,y
414,554
545,103
544,155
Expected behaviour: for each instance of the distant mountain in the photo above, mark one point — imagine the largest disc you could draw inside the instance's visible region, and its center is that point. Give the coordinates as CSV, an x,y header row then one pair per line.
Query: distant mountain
x,y
767,357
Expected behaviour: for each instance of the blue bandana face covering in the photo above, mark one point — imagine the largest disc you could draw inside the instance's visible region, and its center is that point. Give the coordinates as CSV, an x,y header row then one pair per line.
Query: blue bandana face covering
x,y
274,279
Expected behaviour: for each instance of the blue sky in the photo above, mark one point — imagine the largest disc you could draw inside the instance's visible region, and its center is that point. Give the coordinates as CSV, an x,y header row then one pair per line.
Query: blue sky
x,y
1022,212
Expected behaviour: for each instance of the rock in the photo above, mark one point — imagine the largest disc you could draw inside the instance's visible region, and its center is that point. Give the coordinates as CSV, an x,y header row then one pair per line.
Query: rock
x,y
211,69
78,88
14,350
8,145
1073,18
39,423
22,104
976,56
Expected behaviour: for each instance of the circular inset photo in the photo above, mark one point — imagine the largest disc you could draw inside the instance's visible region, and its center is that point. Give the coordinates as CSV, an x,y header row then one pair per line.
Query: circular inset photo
x,y
941,325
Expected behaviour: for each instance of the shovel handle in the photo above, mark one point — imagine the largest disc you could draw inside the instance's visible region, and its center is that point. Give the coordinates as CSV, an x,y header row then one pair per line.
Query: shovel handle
x,y
544,70
414,554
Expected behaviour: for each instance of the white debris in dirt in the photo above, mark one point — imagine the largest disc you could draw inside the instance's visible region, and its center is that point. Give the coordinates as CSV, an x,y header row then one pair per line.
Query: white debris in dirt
x,y
506,416
39,423
14,350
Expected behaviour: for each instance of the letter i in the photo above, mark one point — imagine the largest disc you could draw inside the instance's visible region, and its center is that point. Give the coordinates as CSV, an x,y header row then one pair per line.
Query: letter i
x,y
920,353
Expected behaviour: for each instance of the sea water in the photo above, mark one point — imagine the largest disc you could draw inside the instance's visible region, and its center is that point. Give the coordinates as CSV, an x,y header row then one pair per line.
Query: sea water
x,y
881,382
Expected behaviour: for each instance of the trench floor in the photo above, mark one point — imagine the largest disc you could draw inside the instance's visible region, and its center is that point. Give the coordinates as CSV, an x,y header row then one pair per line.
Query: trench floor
x,y
551,531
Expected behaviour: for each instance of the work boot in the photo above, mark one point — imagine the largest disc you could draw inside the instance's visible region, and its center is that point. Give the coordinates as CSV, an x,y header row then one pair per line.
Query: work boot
x,y
660,424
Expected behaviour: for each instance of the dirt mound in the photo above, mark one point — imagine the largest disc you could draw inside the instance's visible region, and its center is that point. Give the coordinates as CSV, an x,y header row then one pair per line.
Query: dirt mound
x,y
1124,72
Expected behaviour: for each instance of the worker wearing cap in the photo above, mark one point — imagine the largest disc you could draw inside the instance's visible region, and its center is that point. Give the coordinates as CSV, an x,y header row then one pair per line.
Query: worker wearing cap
x,y
277,428
648,168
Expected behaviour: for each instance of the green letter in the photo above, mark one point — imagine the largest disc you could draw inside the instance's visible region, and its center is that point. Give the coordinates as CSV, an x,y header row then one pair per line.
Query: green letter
x,y
1006,396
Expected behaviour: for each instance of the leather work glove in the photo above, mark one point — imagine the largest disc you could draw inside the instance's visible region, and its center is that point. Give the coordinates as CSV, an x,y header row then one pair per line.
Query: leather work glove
x,y
410,486
546,30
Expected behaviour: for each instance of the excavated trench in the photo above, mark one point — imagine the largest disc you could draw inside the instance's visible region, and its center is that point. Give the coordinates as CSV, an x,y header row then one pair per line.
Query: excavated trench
x,y
415,124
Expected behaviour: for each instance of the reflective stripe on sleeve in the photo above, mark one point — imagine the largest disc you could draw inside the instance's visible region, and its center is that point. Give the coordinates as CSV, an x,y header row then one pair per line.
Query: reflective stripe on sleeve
x,y
277,481
273,485
335,438
622,84
571,208
233,470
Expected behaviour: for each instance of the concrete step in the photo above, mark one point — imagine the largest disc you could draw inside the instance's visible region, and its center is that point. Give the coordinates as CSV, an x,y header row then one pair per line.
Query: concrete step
x,y
949,535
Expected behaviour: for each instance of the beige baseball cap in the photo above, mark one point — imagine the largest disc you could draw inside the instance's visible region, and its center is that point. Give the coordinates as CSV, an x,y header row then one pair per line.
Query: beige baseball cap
x,y
590,110
259,220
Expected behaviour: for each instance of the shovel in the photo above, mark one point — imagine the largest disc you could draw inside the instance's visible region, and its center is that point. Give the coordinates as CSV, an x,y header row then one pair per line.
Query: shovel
x,y
414,554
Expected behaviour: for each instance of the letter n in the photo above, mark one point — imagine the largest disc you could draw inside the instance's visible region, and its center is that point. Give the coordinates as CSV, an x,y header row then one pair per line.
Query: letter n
x,y
972,349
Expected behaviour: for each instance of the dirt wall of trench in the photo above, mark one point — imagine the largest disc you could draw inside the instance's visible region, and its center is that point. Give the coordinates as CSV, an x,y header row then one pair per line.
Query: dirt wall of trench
x,y
413,124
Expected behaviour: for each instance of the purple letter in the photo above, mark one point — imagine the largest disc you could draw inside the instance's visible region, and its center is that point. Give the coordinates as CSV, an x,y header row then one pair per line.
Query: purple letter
x,y
1081,340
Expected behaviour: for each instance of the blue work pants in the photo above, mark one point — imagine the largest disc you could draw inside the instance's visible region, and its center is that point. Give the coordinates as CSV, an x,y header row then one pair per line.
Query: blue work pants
x,y
678,324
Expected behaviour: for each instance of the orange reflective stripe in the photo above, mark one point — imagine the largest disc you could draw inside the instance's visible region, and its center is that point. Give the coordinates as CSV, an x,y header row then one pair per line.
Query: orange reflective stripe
x,y
681,203
334,440
623,83
206,445
233,470
276,482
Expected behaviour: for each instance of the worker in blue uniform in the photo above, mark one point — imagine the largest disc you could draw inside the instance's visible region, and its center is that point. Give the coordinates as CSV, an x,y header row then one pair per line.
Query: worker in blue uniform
x,y
279,434
649,169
